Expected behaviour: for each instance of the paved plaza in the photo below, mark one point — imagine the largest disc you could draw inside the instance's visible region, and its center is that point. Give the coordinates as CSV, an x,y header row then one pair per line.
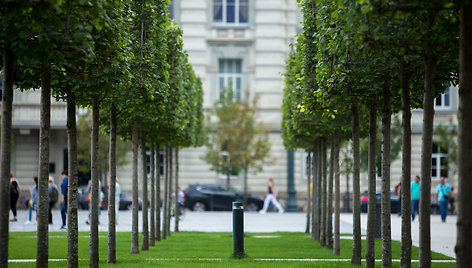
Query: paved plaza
x,y
443,235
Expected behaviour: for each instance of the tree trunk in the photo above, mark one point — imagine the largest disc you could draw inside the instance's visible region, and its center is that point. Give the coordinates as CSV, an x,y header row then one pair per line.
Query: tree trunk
x,y
405,259
73,183
319,190
426,153
308,192
95,185
464,216
176,210
43,204
166,193
5,151
329,213
145,211
111,193
314,172
356,241
153,194
337,209
158,192
169,191
370,239
134,220
385,196
323,192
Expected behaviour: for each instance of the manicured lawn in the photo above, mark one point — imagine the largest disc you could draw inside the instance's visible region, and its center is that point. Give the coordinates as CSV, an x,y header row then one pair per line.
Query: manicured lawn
x,y
194,249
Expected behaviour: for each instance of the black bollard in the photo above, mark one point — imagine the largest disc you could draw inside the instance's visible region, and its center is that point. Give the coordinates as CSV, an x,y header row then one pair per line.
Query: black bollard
x,y
238,230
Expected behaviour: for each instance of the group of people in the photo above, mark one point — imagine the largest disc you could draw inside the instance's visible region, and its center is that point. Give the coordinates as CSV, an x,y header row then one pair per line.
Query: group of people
x,y
444,197
53,197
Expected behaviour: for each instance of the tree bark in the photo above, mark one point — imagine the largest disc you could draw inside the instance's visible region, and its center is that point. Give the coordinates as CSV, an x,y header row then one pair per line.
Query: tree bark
x,y
323,192
43,203
158,192
134,220
319,190
5,151
111,258
385,196
95,183
329,211
314,173
356,242
153,194
166,193
169,191
371,207
405,259
176,210
72,194
245,169
426,153
464,216
308,192
145,211
337,208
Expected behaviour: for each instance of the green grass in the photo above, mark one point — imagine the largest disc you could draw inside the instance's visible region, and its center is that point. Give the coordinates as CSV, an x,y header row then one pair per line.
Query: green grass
x,y
194,249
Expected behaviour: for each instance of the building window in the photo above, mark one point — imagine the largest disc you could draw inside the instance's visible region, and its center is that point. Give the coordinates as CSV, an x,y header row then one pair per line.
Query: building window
x,y
439,165
230,12
443,101
230,76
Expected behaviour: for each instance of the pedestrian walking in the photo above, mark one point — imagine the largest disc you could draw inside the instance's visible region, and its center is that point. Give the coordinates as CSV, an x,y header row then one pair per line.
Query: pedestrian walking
x,y
442,197
64,189
180,199
415,197
33,202
271,197
15,189
53,196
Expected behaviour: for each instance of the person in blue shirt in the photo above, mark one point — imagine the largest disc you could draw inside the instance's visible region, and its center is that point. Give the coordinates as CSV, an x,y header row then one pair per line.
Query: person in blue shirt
x,y
64,188
415,197
442,196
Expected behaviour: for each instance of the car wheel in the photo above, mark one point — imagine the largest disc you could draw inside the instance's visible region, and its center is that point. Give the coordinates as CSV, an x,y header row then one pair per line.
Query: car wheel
x,y
198,206
251,207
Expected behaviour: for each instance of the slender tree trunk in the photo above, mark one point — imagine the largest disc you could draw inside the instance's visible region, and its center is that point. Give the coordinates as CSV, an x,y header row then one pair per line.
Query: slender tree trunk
x,y
111,193
356,242
385,196
169,191
370,239
95,184
177,211
337,209
464,216
134,220
323,192
5,151
43,204
166,193
73,182
145,211
158,192
426,152
153,194
319,191
245,170
314,173
308,192
329,216
405,259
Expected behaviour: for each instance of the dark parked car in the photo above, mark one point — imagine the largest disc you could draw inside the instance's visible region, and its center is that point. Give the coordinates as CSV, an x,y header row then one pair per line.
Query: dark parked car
x,y
395,206
201,197
126,200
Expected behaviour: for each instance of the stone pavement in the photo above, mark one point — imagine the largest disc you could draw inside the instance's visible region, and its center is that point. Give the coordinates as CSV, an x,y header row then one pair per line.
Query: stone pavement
x,y
443,235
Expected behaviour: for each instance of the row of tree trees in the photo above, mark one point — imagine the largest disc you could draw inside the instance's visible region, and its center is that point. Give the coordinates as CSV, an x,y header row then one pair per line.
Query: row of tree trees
x,y
355,60
125,61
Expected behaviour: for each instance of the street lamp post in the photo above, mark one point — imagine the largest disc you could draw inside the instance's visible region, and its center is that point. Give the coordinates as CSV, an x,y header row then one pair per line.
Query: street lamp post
x,y
228,165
